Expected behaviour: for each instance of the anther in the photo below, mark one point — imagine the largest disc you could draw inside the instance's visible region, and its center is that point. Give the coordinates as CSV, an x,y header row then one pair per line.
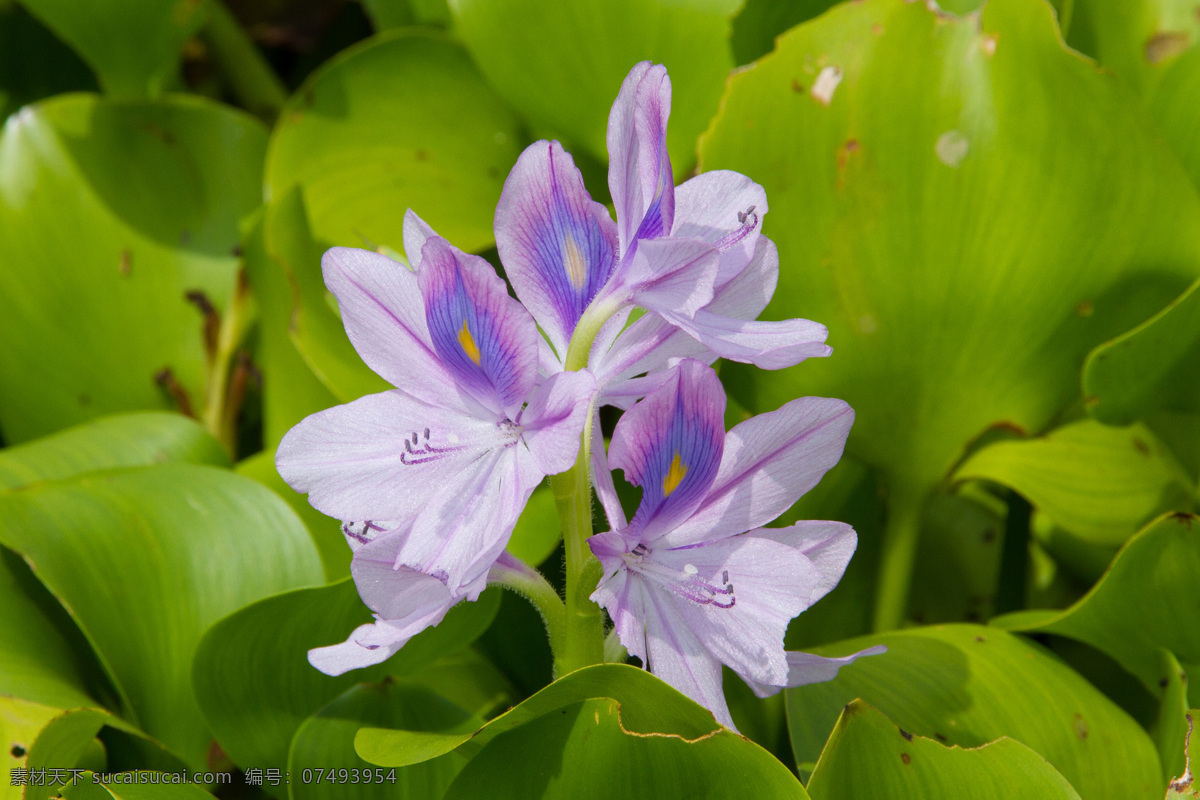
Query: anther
x,y
748,220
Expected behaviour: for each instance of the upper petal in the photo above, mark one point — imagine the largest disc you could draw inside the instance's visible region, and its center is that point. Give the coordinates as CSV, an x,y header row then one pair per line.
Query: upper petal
x,y
483,337
674,274
670,444
384,316
723,208
553,421
416,232
769,461
557,245
639,171
383,456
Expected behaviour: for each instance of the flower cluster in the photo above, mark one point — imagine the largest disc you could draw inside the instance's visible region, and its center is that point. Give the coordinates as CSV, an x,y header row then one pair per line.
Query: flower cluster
x,y
492,395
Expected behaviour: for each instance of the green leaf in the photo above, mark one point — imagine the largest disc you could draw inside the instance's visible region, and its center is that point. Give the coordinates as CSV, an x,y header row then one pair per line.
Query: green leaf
x,y
760,22
561,64
967,685
1146,601
868,756
20,722
1098,482
291,391
122,440
326,532
648,706
325,743
1185,786
133,45
1170,729
99,170
537,532
901,205
584,751
139,785
33,63
251,673
314,326
144,560
381,128
1150,367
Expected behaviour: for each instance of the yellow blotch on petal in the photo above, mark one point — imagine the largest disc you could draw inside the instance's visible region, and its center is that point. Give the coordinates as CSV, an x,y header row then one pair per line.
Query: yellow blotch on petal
x,y
675,476
468,343
573,262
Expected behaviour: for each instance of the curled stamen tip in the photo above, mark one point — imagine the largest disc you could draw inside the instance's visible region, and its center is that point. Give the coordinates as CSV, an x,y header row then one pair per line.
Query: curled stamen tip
x,y
741,215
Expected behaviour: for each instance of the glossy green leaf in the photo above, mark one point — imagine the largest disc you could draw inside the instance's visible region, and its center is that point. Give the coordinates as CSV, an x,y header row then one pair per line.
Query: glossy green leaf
x,y
648,706
467,679
1170,729
1147,600
382,128
326,742
133,45
868,756
252,677
947,183
86,236
1150,367
122,440
290,389
144,560
314,326
139,785
561,64
1099,482
326,532
584,750
20,722
39,656
967,685
1185,785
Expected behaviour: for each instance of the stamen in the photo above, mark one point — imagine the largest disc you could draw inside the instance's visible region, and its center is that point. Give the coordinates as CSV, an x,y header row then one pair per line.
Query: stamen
x,y
748,220
422,450
688,585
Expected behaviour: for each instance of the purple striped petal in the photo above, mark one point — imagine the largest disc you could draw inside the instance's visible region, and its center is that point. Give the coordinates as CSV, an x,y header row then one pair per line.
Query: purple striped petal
x,y
552,422
639,172
668,274
828,545
384,317
557,245
670,444
769,461
484,337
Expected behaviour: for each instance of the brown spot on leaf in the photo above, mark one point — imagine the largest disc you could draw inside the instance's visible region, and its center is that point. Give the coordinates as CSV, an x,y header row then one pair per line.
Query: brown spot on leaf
x,y
906,758
1085,308
17,751
1166,44
989,536
84,399
797,86
1141,446
1081,727
980,639
988,44
877,29
906,734
421,155
939,736
125,263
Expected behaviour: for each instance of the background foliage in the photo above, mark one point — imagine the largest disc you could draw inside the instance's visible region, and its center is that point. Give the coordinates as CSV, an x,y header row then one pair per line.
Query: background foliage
x,y
992,205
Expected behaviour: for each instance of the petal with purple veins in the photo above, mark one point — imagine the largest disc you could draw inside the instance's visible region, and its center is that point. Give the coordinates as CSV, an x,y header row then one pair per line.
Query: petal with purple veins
x,y
639,173
725,209
558,246
828,545
806,668
553,421
769,461
483,337
670,444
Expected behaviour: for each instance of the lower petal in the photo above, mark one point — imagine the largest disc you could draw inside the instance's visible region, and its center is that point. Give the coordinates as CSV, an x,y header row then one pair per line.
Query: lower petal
x,y
767,345
339,658
806,668
828,545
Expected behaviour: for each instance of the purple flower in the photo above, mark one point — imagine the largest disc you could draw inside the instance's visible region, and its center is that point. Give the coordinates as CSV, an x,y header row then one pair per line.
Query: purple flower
x,y
693,256
692,581
450,456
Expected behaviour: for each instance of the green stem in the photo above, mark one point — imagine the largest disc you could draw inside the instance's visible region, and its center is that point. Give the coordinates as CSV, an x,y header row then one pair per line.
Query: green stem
x,y
251,78
221,406
517,576
900,539
584,641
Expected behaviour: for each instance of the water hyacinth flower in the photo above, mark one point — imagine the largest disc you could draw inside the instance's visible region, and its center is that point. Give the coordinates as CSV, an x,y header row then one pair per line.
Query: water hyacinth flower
x,y
693,581
694,256
451,455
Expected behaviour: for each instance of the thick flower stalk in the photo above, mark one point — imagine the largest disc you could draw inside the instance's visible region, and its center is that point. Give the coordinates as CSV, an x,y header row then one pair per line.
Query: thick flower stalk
x,y
493,394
